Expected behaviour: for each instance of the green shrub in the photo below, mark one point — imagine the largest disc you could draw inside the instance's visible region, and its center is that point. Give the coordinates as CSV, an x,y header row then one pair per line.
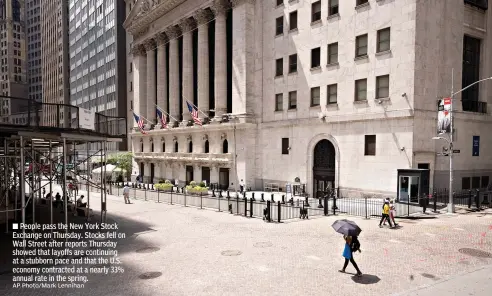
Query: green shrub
x,y
190,189
193,183
202,184
167,182
163,186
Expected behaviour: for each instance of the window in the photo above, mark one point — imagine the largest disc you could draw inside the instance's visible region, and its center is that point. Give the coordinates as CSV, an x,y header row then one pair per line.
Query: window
x,y
331,91
285,146
382,87
315,57
152,147
279,2
384,37
207,147
316,11
279,67
485,181
279,26
332,7
131,67
293,63
465,183
190,147
370,145
293,20
360,2
471,69
314,96
131,86
278,102
332,53
225,147
475,182
292,100
176,146
482,4
163,146
361,90
142,147
361,46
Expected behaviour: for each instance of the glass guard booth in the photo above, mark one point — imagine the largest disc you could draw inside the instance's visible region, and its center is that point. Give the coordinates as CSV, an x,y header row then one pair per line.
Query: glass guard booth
x,y
412,184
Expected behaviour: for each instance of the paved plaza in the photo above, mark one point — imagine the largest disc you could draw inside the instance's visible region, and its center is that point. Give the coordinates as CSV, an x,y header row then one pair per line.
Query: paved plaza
x,y
203,252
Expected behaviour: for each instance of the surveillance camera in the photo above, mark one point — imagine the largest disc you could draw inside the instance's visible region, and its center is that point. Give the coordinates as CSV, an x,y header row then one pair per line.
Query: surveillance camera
x,y
404,94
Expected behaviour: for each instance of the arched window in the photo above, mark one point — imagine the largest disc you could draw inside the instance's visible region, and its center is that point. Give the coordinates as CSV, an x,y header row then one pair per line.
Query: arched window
x,y
225,147
176,146
152,147
141,147
163,146
190,147
207,147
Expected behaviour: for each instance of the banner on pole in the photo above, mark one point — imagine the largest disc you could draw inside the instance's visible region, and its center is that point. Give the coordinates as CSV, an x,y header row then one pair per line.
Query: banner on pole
x,y
444,116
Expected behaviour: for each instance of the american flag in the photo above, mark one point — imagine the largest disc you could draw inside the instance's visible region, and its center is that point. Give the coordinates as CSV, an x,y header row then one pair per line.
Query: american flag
x,y
162,117
194,113
140,123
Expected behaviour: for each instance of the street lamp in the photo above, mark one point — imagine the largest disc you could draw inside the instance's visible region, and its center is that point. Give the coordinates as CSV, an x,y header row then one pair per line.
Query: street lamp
x,y
450,141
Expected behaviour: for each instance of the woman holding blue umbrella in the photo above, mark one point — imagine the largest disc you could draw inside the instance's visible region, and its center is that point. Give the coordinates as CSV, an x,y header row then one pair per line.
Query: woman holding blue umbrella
x,y
350,231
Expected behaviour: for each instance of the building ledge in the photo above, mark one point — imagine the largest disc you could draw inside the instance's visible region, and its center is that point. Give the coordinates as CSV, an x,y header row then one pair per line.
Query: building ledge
x,y
225,158
335,16
358,7
385,52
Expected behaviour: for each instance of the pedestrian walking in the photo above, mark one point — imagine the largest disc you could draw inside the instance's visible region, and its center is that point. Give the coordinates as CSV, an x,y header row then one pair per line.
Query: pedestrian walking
x,y
393,212
126,194
385,214
352,245
241,186
424,202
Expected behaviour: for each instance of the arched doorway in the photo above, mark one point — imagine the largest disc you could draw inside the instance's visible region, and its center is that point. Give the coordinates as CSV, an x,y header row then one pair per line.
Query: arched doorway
x,y
323,167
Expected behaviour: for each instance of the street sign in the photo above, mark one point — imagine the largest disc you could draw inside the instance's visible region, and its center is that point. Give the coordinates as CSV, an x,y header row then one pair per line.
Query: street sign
x,y
456,151
476,146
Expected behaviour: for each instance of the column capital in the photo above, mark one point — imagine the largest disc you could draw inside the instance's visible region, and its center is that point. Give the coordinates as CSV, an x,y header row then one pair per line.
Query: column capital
x,y
203,16
220,6
161,38
238,2
187,24
137,50
149,44
173,32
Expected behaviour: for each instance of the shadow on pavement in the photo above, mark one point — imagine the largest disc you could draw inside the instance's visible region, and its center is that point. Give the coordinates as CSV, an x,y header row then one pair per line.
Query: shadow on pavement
x,y
128,283
366,279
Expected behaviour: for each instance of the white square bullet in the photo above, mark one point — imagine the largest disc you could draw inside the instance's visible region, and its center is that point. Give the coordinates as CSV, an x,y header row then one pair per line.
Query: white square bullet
x,y
15,226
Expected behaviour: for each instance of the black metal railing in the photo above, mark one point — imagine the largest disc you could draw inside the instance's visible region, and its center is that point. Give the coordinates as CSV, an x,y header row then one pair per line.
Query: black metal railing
x,y
474,106
32,114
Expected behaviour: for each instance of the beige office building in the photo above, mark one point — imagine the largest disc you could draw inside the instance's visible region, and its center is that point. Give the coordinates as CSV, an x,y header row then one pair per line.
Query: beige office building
x,y
335,93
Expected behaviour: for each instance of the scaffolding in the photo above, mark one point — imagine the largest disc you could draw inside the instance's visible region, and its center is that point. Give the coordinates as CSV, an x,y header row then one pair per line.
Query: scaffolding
x,y
31,153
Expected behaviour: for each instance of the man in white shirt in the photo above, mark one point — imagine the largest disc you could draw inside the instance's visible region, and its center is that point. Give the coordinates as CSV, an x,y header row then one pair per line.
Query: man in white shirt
x,y
126,194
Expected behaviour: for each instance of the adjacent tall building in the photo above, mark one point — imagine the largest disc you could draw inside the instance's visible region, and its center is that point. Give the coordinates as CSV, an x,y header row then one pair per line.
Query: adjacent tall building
x,y
33,41
54,60
326,93
97,51
13,78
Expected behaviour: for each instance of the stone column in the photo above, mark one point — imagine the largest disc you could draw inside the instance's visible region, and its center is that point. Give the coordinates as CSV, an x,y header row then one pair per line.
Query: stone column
x,y
203,17
139,81
173,33
187,25
146,178
220,8
150,47
214,174
161,40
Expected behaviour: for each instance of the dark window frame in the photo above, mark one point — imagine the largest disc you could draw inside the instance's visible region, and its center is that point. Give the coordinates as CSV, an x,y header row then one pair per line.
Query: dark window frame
x,y
482,4
279,26
370,145
359,50
485,181
357,90
206,148
315,16
293,20
465,183
329,93
285,146
381,47
332,56
279,102
360,2
315,58
293,63
313,103
279,67
190,147
291,105
332,8
279,2
475,182
472,48
379,89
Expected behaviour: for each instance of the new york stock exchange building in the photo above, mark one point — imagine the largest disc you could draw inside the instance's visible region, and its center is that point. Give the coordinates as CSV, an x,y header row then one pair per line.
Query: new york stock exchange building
x,y
330,94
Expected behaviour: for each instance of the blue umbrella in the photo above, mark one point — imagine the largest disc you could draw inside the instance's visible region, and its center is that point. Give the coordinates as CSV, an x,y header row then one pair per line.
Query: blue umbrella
x,y
346,227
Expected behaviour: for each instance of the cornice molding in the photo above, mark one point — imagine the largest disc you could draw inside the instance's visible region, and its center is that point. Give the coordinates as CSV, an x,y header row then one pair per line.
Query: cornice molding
x,y
203,16
146,12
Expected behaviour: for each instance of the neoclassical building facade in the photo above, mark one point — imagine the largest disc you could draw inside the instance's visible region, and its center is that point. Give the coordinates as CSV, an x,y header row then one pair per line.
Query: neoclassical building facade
x,y
332,93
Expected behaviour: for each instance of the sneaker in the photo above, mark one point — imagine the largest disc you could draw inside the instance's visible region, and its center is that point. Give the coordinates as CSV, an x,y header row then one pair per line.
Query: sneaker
x,y
342,270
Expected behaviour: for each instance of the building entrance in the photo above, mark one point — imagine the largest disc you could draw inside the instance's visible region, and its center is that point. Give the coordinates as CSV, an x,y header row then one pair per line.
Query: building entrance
x,y
323,168
224,178
189,174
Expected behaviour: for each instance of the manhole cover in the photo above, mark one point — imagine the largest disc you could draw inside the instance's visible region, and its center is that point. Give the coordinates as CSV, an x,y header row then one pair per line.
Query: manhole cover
x,y
150,275
148,250
263,244
475,253
429,276
231,253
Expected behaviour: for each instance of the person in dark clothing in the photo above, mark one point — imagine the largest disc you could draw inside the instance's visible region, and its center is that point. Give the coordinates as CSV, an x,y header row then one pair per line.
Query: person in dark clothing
x,y
352,245
58,200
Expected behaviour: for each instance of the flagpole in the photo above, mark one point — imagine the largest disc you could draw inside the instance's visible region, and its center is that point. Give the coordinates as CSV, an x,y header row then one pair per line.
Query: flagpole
x,y
142,117
166,113
196,107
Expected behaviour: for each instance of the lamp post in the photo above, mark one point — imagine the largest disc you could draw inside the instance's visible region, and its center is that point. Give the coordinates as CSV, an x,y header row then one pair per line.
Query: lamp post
x,y
450,141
